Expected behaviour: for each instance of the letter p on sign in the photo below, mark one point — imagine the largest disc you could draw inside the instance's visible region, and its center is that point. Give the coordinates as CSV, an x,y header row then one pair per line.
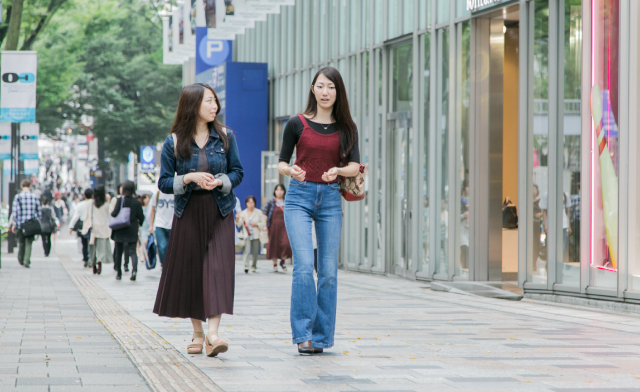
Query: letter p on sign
x,y
213,46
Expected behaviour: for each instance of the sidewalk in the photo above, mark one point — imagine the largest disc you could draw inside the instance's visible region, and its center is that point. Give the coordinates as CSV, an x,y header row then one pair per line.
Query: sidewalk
x,y
51,339
392,335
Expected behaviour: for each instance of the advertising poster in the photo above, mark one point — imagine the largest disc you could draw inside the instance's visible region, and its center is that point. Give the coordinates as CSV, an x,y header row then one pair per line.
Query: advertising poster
x,y
180,14
29,134
18,87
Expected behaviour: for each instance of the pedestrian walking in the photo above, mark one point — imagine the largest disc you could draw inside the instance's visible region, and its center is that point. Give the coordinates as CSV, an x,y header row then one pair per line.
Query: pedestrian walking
x,y
143,235
160,220
126,238
278,247
96,224
47,224
200,166
112,206
26,207
60,208
326,142
76,223
251,220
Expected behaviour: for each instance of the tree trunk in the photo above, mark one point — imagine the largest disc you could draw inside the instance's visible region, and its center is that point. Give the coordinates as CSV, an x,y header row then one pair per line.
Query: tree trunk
x,y
14,25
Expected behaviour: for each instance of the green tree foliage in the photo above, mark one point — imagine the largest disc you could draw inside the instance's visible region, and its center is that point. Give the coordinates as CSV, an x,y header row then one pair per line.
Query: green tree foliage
x,y
104,60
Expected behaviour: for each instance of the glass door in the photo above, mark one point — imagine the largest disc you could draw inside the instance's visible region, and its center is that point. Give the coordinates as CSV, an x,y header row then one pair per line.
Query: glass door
x,y
400,130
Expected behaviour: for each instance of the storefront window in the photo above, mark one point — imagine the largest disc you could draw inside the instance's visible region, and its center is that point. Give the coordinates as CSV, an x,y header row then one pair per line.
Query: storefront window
x,y
424,264
461,8
462,149
604,142
442,14
392,18
378,15
538,189
442,137
378,232
354,12
343,29
365,23
424,7
365,136
568,272
407,16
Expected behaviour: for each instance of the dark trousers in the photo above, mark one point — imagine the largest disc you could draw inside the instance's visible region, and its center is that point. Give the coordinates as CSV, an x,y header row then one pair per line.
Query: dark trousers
x,y
85,249
46,243
24,249
129,251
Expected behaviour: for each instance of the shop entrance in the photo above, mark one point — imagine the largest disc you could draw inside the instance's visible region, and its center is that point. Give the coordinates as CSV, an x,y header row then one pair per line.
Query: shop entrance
x,y
498,41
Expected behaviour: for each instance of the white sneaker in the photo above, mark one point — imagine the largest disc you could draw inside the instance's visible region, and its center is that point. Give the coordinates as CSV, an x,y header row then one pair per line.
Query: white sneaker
x,y
253,270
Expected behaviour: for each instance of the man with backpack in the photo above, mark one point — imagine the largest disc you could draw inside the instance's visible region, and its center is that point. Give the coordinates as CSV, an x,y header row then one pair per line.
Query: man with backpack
x,y
25,209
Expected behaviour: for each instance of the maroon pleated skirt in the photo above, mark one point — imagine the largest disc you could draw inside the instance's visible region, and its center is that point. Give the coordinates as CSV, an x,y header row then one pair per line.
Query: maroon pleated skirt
x,y
278,246
198,277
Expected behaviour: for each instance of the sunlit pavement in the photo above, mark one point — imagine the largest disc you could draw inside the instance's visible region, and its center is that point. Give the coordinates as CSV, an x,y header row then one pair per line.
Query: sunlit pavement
x,y
392,335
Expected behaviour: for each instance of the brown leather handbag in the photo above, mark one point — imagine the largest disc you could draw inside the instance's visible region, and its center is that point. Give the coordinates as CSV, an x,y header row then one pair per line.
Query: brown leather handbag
x,y
352,188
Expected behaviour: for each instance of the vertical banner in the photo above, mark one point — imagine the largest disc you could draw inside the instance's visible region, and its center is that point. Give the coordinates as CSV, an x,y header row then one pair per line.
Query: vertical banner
x,y
5,141
29,141
18,87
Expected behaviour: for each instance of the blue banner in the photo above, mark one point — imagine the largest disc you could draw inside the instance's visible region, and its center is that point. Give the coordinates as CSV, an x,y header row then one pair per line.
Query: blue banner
x,y
17,115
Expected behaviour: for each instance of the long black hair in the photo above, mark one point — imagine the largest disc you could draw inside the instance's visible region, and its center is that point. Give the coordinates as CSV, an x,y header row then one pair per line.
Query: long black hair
x,y
99,197
340,112
128,188
184,124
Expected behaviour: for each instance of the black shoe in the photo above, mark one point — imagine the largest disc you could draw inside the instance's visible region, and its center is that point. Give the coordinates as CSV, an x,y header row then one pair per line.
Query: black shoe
x,y
126,268
246,271
317,350
27,266
133,276
99,268
306,348
119,277
86,264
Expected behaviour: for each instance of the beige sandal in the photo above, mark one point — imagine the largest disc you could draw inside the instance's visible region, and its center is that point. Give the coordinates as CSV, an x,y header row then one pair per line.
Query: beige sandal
x,y
195,348
218,346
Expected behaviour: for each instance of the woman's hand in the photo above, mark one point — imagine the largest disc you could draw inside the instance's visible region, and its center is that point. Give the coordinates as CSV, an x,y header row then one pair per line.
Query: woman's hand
x,y
330,175
209,185
198,178
254,224
297,173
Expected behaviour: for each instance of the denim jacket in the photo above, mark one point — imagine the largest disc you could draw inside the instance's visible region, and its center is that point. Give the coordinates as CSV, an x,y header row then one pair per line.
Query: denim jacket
x,y
222,164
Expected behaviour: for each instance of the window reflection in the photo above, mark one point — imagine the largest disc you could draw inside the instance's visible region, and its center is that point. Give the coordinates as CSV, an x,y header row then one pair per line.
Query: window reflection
x,y
604,142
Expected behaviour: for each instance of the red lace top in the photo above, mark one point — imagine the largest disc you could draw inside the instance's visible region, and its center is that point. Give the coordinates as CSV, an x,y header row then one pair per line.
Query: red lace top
x,y
317,153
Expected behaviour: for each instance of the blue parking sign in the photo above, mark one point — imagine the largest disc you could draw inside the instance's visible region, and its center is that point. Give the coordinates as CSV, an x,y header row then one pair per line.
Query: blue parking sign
x,y
147,158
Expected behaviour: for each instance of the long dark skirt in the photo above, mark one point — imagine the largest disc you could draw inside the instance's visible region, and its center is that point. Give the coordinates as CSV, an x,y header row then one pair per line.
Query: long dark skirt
x,y
198,276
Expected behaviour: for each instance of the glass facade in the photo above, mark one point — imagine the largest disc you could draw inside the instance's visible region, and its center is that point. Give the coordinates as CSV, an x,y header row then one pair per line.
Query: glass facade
x,y
479,130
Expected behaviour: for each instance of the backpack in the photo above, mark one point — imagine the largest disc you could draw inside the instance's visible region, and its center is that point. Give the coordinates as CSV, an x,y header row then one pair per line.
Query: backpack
x,y
47,222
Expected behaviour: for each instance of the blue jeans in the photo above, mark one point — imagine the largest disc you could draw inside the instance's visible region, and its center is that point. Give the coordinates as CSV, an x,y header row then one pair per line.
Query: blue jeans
x,y
313,312
162,240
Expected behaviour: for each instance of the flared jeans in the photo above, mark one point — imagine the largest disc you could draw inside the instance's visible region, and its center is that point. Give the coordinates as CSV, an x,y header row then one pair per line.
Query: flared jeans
x,y
313,309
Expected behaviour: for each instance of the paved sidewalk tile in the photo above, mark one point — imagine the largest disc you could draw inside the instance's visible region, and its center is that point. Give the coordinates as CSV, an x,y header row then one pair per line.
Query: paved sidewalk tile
x,y
47,329
391,335
397,335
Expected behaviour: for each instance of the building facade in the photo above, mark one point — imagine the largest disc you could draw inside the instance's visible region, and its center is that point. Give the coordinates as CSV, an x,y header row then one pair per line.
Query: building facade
x,y
499,137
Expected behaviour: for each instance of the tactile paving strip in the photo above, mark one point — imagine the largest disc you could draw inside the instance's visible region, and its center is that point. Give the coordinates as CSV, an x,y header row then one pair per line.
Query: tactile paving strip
x,y
164,368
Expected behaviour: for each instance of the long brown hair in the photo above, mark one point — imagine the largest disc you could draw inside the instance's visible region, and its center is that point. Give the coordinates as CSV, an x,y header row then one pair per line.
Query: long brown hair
x,y
184,124
340,112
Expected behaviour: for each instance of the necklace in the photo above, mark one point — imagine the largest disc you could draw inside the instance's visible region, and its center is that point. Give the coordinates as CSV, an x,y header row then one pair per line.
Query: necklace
x,y
325,128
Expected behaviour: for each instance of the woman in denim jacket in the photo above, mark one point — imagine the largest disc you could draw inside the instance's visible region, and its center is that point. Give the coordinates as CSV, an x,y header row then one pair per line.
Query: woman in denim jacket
x,y
200,166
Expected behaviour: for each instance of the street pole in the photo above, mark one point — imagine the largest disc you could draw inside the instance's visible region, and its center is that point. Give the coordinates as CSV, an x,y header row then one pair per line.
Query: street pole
x,y
11,238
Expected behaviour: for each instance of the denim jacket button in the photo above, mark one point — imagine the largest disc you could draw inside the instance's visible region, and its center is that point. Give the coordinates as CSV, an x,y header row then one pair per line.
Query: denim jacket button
x,y
210,154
